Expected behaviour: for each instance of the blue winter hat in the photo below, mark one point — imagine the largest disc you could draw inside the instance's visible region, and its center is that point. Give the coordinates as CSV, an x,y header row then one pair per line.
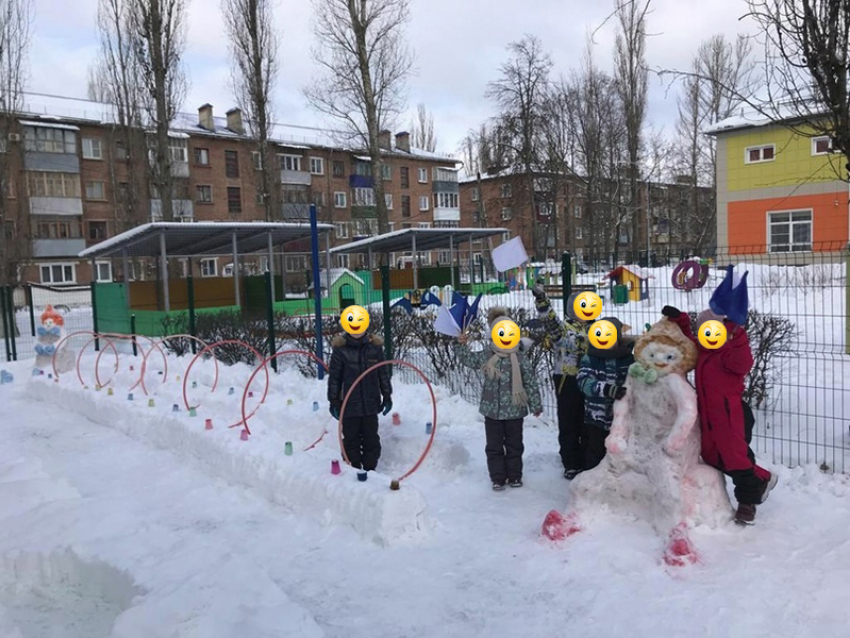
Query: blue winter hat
x,y
730,299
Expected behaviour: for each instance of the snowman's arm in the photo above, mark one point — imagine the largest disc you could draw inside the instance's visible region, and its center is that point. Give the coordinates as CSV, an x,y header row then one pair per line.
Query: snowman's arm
x,y
621,427
686,412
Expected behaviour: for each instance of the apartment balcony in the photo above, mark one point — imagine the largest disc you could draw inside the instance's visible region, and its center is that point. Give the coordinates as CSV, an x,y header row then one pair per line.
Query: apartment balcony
x,y
447,214
360,181
444,175
295,212
49,248
182,209
300,178
364,212
64,206
179,169
57,162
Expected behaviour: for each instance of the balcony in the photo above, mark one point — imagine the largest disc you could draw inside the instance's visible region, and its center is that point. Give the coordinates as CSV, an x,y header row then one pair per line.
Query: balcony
x,y
182,209
447,214
360,181
43,248
301,178
179,169
58,162
295,212
56,206
444,175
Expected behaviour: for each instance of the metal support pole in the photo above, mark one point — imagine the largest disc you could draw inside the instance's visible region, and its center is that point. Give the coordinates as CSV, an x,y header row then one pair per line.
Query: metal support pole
x,y
452,259
236,270
385,298
13,321
190,297
271,266
125,266
7,326
133,332
31,303
648,214
415,262
314,246
94,313
471,266
163,269
566,279
270,316
328,267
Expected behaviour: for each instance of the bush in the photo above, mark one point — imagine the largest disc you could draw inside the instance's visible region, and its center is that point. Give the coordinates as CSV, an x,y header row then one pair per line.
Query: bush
x,y
770,335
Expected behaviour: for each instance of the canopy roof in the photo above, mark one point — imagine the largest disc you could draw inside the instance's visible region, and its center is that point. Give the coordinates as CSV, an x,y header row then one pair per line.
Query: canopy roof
x,y
426,239
200,238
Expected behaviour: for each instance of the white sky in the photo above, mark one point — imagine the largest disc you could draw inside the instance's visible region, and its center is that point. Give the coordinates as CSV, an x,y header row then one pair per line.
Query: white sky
x,y
459,45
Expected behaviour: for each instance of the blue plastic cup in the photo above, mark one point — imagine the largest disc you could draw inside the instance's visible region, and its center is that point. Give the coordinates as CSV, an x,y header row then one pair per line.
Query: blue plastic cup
x,y
428,427
362,476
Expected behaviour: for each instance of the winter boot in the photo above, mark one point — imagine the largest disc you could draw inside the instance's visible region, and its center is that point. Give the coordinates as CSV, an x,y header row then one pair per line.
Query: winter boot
x,y
769,485
571,474
517,482
746,514
498,486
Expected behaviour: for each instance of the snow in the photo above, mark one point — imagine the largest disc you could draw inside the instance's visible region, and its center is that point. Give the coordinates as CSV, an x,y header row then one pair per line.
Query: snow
x,y
121,520
64,127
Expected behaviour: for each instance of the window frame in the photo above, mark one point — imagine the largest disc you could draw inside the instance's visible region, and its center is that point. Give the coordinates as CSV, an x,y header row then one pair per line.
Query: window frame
x,y
91,155
296,160
208,260
102,197
341,230
337,195
476,194
759,147
388,200
510,214
229,155
821,138
230,200
198,188
199,151
424,199
386,172
791,223
334,166
423,171
404,176
60,264
101,223
405,206
98,278
321,161
506,191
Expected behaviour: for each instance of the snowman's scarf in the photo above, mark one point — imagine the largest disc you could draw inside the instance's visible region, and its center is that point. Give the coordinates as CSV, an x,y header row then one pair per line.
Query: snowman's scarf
x,y
645,374
518,393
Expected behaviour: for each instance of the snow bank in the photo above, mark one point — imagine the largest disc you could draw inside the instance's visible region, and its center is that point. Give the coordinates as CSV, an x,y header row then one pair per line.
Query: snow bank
x,y
302,483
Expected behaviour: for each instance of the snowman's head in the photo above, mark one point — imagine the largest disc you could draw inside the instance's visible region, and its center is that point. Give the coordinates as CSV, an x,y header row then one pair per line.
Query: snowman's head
x,y
51,318
666,350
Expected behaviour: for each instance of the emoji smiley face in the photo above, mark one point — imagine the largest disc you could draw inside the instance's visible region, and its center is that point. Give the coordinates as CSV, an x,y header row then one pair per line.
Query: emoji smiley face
x,y
587,306
712,335
354,320
505,334
603,335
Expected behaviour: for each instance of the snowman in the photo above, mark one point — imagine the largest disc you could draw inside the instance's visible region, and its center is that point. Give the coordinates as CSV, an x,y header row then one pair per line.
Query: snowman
x,y
653,470
48,335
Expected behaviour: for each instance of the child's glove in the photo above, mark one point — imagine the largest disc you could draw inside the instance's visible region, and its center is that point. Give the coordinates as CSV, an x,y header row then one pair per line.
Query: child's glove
x,y
334,409
671,312
387,405
614,391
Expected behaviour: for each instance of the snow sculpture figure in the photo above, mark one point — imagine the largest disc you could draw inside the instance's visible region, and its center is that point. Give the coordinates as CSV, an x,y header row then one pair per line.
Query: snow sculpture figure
x,y
652,469
48,334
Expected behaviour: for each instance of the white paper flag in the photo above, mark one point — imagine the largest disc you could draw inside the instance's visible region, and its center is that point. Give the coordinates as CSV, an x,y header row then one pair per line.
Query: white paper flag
x,y
446,324
509,255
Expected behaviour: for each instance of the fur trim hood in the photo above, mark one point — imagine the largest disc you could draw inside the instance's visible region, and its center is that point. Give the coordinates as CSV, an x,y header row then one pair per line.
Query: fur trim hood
x,y
495,314
340,340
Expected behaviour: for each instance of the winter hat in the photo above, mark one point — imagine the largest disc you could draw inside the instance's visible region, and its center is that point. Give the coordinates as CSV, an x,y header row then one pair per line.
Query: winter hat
x,y
623,346
708,315
570,308
497,314
730,299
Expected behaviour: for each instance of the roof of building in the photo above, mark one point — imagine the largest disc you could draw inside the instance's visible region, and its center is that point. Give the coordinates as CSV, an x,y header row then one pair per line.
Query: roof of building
x,y
752,118
59,110
425,238
200,238
637,272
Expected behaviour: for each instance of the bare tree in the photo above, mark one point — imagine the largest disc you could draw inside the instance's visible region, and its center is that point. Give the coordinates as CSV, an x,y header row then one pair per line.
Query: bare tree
x,y
519,94
254,46
157,31
366,62
422,130
631,73
16,17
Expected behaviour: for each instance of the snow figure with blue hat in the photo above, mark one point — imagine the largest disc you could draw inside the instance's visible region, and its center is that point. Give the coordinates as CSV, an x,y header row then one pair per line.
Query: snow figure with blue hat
x,y
48,334
725,419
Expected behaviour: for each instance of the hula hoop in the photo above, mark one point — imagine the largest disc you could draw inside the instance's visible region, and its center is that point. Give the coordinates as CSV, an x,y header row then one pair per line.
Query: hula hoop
x,y
689,275
62,342
145,353
157,344
433,418
264,364
83,349
210,347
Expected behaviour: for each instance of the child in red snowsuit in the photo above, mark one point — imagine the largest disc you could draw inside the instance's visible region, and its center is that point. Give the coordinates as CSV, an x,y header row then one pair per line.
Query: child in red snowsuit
x,y
720,378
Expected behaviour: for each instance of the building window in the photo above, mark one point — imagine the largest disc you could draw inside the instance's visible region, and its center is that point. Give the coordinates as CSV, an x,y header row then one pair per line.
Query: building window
x,y
97,231
405,205
120,150
821,145
404,171
58,274
756,154
424,202
50,184
319,198
343,261
364,169
257,160
179,149
446,200
290,162
363,197
317,166
231,164
202,157
388,198
94,190
50,140
446,224
295,194
507,213
444,257
339,168
341,230
295,263
790,231
507,191
203,194
577,212
476,194
506,236
423,175
234,200
340,199
209,267
545,209
92,148
386,172
579,232
104,271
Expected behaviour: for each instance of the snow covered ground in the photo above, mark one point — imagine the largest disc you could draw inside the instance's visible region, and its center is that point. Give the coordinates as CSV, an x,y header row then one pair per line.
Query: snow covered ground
x,y
119,519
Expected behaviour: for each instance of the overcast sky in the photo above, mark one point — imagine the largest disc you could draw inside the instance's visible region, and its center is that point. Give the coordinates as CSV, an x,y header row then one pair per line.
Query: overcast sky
x,y
459,45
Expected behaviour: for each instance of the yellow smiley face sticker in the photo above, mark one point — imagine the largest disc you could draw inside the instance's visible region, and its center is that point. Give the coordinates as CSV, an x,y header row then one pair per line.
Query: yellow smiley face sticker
x,y
354,320
587,306
505,334
603,335
712,335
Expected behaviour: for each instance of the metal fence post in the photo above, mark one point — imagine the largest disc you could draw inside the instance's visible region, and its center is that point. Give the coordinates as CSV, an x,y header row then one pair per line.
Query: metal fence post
x,y
385,297
847,304
31,303
190,294
94,313
270,317
6,326
133,332
317,287
566,278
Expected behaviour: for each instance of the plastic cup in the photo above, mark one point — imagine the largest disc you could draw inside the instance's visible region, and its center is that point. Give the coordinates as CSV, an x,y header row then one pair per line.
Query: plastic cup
x,y
362,476
335,467
244,435
429,427
396,418
208,424
130,397
287,448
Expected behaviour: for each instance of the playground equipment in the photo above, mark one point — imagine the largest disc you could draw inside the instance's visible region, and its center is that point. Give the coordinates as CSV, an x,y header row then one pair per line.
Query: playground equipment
x,y
690,275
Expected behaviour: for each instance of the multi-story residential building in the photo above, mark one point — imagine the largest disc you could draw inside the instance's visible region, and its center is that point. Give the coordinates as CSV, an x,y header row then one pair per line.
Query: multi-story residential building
x,y
560,216
778,191
80,185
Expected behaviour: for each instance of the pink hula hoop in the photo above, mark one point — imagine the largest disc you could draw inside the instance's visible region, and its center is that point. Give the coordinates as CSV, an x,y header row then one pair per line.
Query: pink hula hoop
x,y
157,344
264,364
145,353
212,347
83,349
433,407
62,342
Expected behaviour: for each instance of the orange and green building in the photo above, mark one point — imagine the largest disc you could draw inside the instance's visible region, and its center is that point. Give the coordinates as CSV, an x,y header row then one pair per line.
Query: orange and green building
x,y
778,190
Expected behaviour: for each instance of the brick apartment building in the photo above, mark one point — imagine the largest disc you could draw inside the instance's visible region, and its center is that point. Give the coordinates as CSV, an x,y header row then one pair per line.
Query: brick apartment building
x,y
557,217
70,179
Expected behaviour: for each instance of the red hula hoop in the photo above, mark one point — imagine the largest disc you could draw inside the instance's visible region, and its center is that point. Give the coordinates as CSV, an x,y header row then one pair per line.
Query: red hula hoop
x,y
264,364
433,417
112,337
157,344
83,349
212,347
62,342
